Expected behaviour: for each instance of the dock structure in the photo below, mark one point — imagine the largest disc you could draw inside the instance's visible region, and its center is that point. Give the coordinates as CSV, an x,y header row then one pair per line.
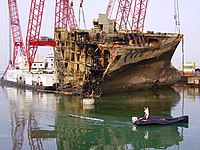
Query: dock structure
x,y
191,78
190,74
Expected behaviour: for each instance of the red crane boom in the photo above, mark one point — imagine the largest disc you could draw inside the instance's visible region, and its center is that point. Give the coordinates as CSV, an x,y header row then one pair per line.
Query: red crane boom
x,y
33,39
33,31
123,13
64,15
139,15
61,16
16,29
123,17
16,33
72,19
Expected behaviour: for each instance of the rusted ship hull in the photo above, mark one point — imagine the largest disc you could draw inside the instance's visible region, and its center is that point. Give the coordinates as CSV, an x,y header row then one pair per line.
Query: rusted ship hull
x,y
148,73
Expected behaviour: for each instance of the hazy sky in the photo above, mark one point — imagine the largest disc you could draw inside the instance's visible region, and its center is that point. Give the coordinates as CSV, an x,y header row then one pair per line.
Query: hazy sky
x,y
159,18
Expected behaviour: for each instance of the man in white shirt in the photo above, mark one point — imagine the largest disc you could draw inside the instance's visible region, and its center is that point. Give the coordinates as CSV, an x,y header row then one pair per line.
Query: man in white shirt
x,y
146,113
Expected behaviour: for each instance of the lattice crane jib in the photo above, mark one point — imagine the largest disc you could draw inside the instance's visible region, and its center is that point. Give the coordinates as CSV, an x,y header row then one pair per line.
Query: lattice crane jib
x,y
130,14
61,16
64,15
33,31
139,15
16,30
72,19
122,15
16,33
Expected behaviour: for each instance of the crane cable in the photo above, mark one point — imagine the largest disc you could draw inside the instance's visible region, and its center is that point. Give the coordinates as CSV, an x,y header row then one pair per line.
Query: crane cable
x,y
81,9
177,29
47,18
110,8
176,16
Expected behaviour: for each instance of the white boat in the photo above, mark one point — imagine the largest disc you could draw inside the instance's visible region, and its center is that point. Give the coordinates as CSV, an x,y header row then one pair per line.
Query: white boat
x,y
88,107
88,101
42,75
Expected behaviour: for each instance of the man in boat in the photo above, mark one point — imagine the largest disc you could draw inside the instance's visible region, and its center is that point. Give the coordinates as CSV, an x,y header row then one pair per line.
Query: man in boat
x,y
146,113
145,117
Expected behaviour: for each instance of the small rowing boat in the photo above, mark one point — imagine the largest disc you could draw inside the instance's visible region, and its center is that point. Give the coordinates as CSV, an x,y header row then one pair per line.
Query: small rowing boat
x,y
153,120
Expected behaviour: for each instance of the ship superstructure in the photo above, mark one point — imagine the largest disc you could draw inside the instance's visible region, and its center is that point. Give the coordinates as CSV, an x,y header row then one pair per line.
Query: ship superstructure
x,y
42,74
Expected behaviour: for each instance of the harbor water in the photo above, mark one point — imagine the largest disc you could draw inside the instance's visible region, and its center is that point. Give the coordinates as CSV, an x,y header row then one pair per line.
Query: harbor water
x,y
33,120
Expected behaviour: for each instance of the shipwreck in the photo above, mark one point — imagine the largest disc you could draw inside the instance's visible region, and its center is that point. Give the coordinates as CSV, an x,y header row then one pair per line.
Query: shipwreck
x,y
106,60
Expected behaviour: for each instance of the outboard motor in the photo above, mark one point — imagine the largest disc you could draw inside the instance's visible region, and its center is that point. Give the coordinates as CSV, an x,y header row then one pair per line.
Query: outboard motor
x,y
134,119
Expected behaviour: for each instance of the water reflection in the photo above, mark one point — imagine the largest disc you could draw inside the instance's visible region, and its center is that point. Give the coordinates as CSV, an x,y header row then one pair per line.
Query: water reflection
x,y
29,114
117,132
160,137
41,121
81,135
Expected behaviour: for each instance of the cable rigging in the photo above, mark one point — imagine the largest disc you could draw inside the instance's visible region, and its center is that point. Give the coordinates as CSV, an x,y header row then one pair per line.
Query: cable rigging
x,y
81,12
178,30
176,16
